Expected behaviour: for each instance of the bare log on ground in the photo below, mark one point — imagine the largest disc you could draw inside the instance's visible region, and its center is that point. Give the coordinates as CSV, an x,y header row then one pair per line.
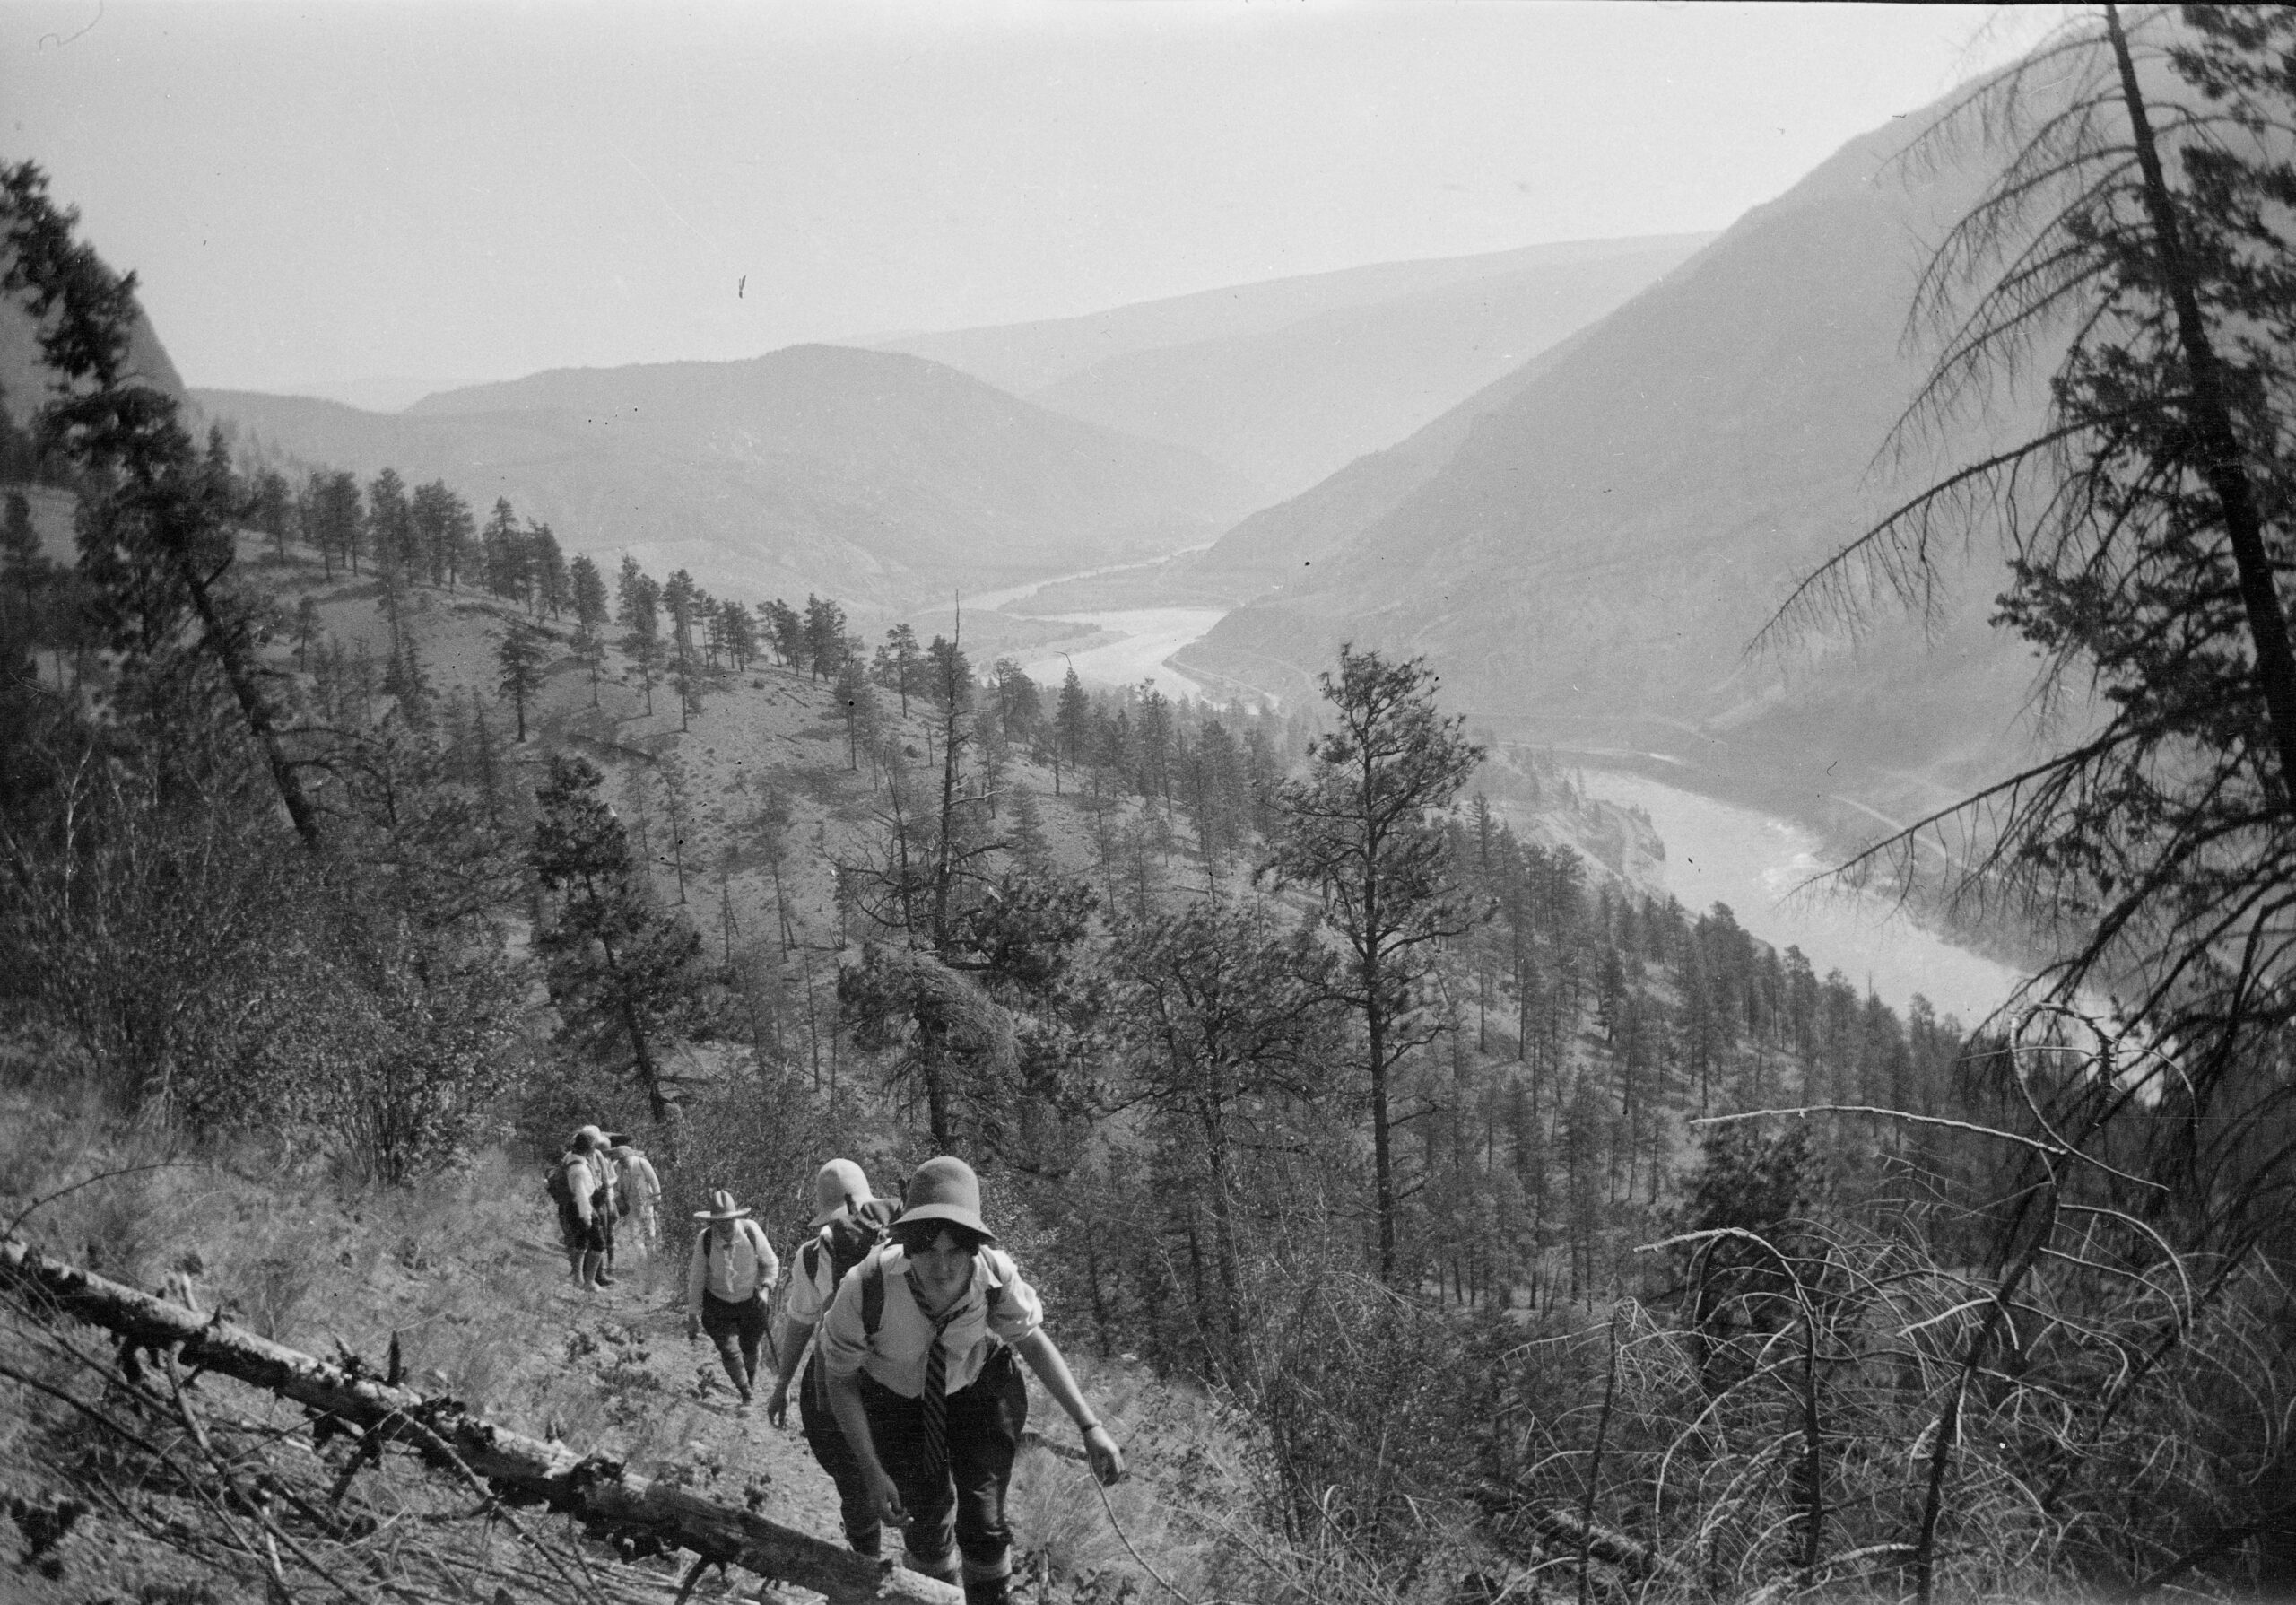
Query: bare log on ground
x,y
602,1493
1567,1534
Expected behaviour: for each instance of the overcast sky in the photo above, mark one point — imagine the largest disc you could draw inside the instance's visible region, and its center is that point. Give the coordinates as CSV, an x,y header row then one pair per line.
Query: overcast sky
x,y
321,193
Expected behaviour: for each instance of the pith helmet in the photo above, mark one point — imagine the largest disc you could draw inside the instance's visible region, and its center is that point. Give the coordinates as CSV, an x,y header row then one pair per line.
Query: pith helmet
x,y
946,1189
839,1184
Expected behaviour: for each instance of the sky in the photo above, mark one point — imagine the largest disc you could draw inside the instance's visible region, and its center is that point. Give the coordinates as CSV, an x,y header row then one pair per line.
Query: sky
x,y
325,195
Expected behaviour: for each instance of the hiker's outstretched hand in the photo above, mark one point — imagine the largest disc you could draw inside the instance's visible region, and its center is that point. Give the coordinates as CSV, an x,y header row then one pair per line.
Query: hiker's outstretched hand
x,y
1107,1459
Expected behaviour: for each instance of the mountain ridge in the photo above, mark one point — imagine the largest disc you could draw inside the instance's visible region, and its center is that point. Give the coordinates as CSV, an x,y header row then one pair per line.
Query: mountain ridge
x,y
1602,541
1289,379
878,476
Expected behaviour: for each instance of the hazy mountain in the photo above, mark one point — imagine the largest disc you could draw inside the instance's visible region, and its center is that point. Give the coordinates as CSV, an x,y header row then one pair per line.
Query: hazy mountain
x,y
1586,549
374,392
1285,382
880,478
1276,543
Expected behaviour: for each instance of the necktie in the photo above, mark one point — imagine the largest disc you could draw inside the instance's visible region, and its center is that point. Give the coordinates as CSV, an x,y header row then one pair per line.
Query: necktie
x,y
936,1415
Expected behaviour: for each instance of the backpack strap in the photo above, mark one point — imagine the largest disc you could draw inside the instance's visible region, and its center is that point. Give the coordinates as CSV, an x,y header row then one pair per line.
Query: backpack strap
x,y
873,1296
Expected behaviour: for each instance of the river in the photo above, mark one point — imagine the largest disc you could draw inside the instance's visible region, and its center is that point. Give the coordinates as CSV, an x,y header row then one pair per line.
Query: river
x,y
1143,636
1716,853
1146,636
1762,867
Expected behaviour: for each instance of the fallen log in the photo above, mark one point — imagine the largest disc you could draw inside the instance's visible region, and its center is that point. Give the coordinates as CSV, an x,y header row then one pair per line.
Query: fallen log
x,y
602,1493
1565,1534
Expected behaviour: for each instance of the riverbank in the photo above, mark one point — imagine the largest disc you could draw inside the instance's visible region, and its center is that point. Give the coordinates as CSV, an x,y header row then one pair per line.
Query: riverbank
x,y
1777,880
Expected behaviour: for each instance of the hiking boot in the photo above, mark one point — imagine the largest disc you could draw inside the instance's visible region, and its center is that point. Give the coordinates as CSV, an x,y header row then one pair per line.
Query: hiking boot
x,y
603,1280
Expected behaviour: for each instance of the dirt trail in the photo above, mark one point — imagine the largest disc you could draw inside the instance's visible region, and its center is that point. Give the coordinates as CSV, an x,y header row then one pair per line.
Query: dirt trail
x,y
631,1338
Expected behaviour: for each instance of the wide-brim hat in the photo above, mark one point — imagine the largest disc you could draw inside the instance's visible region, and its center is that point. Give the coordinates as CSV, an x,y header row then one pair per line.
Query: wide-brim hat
x,y
617,1139
838,1186
721,1208
597,1137
944,1189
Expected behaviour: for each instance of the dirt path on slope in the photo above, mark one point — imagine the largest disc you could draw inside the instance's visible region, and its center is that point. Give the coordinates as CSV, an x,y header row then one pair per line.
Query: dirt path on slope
x,y
667,1402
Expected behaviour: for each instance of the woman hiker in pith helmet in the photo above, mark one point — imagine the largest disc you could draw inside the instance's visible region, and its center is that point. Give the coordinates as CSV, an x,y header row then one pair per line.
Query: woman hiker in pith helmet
x,y
847,1223
919,1348
732,1270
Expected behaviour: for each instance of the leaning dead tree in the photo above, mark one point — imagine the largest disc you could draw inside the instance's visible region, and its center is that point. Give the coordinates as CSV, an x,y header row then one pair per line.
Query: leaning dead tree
x,y
602,1493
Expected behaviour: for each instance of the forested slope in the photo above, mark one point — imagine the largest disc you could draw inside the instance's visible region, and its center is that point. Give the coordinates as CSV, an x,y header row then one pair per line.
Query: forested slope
x,y
886,479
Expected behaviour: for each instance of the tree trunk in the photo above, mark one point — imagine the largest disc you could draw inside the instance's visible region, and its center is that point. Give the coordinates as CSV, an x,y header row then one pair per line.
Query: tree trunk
x,y
2223,466
252,706
595,1490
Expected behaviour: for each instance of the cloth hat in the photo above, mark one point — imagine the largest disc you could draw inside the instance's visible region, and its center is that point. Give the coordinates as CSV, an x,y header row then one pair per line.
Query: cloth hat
x,y
944,1189
591,1134
839,1184
618,1139
721,1208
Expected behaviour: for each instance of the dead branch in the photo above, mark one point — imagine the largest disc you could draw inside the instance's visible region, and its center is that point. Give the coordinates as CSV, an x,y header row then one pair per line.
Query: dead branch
x,y
602,1493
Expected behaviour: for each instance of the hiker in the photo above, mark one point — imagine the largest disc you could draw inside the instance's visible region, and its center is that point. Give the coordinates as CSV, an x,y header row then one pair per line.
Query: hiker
x,y
848,1222
584,1226
918,1347
604,1197
733,1268
638,1191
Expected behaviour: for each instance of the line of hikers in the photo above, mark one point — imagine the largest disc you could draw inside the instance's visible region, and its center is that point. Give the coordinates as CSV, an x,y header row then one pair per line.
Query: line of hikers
x,y
913,1401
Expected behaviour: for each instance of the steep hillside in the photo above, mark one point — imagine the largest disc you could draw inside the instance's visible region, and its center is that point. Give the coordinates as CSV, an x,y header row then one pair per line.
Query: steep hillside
x,y
1272,545
1601,544
1287,380
880,478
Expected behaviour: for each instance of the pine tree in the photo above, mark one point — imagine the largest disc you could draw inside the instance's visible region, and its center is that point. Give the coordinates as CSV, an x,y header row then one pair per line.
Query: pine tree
x,y
1226,1022
546,570
2141,226
1362,830
899,665
157,535
502,552
587,589
520,657
390,526
623,975
824,636
333,518
738,628
858,703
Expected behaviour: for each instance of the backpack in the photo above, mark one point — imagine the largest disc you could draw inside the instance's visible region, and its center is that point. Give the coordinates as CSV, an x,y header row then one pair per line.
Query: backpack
x,y
560,1190
849,1239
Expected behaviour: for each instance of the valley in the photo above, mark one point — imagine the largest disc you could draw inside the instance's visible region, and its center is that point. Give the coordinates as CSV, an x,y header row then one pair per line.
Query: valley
x,y
1204,795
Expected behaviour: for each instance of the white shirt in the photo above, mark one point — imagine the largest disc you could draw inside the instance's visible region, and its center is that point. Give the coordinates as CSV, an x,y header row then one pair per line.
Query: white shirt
x,y
896,1355
734,1271
644,1186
